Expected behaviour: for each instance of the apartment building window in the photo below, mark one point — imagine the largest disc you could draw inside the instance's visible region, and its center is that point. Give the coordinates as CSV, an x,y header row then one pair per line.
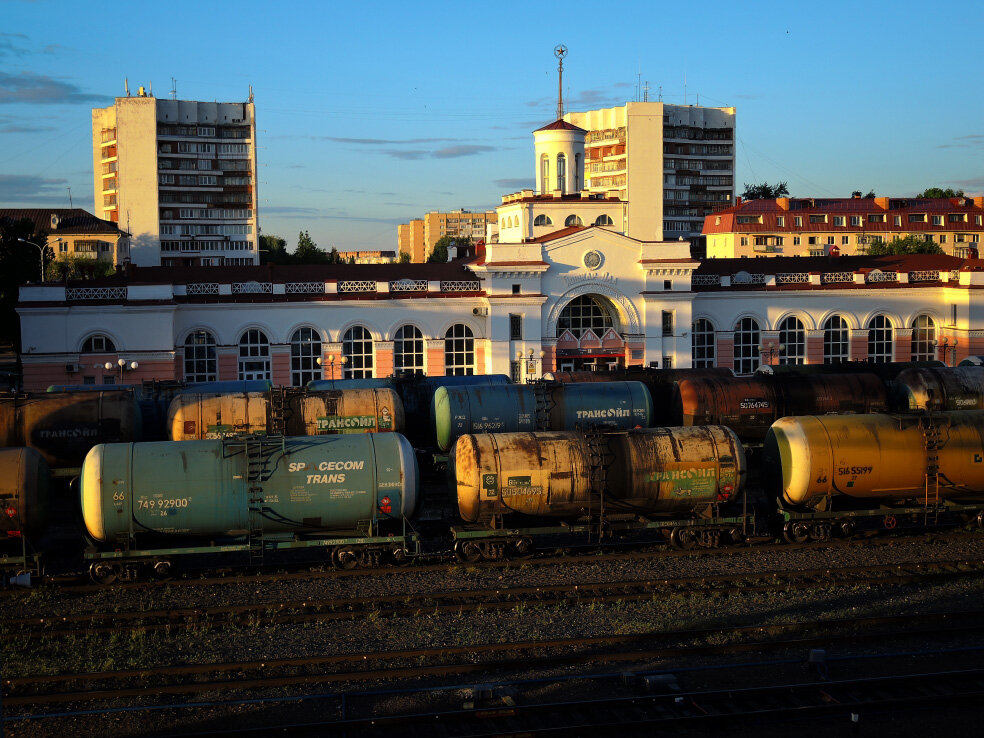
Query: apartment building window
x,y
206,131
813,240
796,240
63,247
856,220
897,220
957,217
208,179
818,218
845,240
204,163
977,220
780,221
798,221
838,220
830,240
515,327
917,217
744,241
938,220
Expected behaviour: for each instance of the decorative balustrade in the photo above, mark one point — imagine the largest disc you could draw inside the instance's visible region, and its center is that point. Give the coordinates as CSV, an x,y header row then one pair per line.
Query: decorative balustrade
x,y
954,275
408,285
95,293
883,276
925,275
357,286
793,278
304,288
834,277
461,286
202,288
705,280
252,288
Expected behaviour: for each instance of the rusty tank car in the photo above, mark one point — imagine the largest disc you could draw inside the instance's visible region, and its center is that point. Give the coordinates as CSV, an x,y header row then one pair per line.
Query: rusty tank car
x,y
24,494
940,388
64,426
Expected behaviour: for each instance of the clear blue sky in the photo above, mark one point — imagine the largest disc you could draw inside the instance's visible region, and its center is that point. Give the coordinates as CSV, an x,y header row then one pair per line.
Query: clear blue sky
x,y
372,113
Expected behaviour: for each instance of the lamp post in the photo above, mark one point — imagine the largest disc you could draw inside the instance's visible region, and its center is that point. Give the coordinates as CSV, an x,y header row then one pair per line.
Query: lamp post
x,y
945,344
772,348
342,360
41,253
123,365
531,360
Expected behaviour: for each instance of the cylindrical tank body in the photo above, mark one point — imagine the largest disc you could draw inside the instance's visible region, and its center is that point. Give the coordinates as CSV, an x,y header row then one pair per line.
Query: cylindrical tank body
x,y
674,469
580,376
229,385
507,408
806,459
64,426
196,416
24,493
360,383
202,488
417,392
819,394
973,361
941,388
322,412
614,405
885,371
543,474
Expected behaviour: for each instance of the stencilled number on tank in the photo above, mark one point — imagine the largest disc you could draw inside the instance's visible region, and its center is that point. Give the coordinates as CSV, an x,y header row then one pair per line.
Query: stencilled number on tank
x,y
163,505
119,496
822,479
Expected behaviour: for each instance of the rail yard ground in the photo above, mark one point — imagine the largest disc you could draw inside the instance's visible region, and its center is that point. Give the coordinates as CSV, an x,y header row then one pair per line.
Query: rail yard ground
x,y
273,651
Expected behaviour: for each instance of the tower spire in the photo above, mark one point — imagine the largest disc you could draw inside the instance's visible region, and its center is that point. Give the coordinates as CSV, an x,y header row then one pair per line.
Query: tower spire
x,y
560,51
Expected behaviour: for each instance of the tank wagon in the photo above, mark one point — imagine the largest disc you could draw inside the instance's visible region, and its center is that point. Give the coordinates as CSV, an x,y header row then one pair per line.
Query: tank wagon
x,y
940,388
155,505
24,505
64,426
623,479
288,411
457,411
749,405
886,371
832,473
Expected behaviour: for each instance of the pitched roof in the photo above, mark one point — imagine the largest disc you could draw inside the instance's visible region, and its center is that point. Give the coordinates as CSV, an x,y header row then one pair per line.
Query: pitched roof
x,y
560,125
818,264
70,220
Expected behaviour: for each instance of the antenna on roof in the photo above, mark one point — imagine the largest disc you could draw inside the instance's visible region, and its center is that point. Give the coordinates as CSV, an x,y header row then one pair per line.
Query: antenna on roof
x,y
126,86
560,51
70,197
174,89
645,92
251,93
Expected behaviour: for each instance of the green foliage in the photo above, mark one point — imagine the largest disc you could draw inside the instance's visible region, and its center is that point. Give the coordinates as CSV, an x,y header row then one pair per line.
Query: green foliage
x,y
903,246
870,196
307,251
273,250
440,252
19,264
405,257
79,267
765,191
937,193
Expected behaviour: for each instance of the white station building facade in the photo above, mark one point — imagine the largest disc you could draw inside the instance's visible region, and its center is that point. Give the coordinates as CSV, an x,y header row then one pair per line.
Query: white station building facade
x,y
558,286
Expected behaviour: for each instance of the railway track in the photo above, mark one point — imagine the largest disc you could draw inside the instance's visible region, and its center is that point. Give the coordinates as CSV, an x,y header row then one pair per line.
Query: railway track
x,y
480,660
408,605
81,584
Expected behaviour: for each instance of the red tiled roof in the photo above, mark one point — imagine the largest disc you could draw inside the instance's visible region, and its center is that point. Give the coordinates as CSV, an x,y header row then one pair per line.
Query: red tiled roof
x,y
561,125
818,264
70,220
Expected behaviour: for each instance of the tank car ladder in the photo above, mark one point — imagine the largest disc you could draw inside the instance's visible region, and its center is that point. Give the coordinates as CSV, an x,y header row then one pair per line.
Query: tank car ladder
x,y
933,441
258,451
599,460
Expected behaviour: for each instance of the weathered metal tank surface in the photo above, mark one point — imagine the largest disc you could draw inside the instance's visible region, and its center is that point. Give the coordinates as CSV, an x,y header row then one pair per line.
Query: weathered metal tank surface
x,y
354,383
579,376
207,415
202,488
64,426
612,405
886,371
543,474
941,388
674,469
820,394
972,361
509,408
808,459
24,493
323,412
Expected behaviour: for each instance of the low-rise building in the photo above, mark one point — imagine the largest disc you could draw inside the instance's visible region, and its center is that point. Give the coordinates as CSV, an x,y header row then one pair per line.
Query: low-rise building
x,y
418,237
73,232
842,226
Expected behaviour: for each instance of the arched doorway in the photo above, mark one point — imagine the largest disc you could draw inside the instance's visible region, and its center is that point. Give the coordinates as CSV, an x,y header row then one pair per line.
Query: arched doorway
x,y
588,335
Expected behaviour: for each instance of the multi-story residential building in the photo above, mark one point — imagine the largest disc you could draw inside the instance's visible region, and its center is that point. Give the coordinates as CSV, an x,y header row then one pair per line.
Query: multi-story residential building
x,y
418,237
670,164
74,232
180,176
842,226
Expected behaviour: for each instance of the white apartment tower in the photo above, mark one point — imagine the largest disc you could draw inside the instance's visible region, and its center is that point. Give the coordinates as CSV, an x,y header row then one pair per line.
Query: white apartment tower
x,y
670,164
180,176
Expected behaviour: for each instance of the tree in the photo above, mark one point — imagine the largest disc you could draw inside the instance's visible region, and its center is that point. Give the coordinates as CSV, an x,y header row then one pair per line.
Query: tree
x,y
405,257
938,193
870,196
19,264
765,191
440,252
273,250
307,251
902,246
79,267
334,257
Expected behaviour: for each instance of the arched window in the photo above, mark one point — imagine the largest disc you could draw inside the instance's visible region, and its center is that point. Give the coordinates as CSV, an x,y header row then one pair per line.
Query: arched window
x,y
357,351
542,220
702,343
254,355
408,350
577,173
573,220
459,350
305,350
200,363
880,350
747,355
544,174
836,340
584,313
792,338
923,338
604,220
561,172
98,343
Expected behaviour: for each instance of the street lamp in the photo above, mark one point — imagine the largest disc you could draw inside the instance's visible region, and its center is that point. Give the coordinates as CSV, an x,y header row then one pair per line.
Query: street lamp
x,y
530,359
947,343
342,360
772,348
123,365
41,253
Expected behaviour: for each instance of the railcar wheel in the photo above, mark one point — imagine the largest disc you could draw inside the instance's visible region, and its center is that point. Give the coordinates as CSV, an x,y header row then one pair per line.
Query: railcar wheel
x,y
523,547
400,556
980,519
468,551
345,558
683,538
796,532
735,535
846,528
162,569
102,573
